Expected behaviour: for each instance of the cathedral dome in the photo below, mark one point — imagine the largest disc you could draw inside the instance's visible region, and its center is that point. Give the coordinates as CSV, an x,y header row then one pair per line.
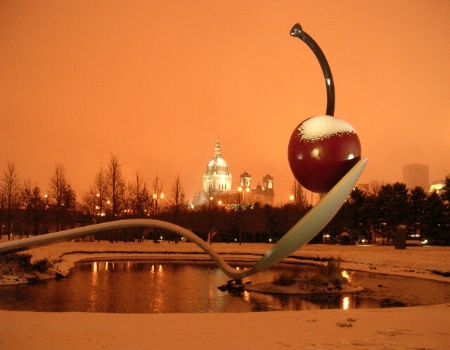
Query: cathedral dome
x,y
217,177
217,165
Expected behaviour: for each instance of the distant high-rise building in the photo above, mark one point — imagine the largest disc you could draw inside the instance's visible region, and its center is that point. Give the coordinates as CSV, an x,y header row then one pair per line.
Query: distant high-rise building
x,y
416,175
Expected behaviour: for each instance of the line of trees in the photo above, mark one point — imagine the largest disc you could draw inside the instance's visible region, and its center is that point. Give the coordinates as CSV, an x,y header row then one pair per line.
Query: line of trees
x,y
25,210
377,214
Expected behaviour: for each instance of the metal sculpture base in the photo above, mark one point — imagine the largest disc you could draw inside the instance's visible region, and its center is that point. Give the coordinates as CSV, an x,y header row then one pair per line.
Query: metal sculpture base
x,y
300,234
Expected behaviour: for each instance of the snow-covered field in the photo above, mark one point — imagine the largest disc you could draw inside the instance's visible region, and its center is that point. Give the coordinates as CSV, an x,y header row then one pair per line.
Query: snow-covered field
x,y
425,327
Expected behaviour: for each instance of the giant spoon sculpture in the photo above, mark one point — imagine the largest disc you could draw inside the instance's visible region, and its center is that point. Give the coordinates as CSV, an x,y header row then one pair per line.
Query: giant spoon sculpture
x,y
324,155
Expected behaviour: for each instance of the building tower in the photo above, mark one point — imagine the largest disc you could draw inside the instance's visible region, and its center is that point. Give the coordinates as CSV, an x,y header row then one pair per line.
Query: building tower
x,y
416,175
268,189
245,180
268,183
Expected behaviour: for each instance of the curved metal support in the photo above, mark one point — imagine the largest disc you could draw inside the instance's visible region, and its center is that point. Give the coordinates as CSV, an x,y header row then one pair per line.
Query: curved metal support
x,y
300,234
298,32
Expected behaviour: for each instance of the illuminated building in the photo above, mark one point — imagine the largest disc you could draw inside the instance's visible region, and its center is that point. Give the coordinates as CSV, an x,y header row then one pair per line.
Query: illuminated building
x,y
263,194
218,185
217,177
437,186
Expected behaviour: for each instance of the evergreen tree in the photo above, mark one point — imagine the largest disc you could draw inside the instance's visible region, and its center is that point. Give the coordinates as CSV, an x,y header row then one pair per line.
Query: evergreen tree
x,y
417,198
434,222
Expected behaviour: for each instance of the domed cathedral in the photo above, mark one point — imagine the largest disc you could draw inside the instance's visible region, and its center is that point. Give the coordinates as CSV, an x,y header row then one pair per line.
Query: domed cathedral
x,y
218,185
217,177
216,180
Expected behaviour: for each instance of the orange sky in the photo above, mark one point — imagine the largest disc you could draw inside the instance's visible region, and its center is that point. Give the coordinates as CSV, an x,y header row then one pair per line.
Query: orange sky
x,y
155,82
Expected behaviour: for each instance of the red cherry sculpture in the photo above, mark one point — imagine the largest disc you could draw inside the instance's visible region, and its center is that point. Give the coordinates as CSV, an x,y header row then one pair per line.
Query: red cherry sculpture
x,y
322,149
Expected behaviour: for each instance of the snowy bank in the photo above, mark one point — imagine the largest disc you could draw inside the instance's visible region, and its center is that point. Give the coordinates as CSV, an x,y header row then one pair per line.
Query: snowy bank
x,y
425,327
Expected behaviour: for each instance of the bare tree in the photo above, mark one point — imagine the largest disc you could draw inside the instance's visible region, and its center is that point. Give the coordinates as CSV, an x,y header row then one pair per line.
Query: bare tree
x,y
10,192
115,185
298,196
157,194
96,200
34,206
99,192
177,200
128,199
375,187
57,192
26,197
70,198
115,190
140,196
135,201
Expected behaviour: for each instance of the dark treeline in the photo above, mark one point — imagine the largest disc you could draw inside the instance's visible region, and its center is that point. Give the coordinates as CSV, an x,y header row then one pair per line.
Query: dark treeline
x,y
378,213
27,210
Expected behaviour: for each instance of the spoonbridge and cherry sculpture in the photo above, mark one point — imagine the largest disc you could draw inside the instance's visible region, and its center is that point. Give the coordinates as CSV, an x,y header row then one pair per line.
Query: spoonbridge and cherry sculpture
x,y
324,156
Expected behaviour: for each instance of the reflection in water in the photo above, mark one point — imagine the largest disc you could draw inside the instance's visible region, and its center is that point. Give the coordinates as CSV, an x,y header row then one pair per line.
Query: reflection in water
x,y
92,293
163,287
155,283
345,302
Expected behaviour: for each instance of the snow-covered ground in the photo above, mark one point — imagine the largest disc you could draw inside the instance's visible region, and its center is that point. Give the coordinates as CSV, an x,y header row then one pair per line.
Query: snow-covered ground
x,y
425,327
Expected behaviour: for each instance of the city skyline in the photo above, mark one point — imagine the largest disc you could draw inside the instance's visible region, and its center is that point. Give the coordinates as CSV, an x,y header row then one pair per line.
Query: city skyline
x,y
156,82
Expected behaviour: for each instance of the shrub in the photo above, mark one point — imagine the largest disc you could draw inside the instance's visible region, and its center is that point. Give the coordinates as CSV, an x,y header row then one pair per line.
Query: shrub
x,y
334,272
42,265
326,274
18,264
284,279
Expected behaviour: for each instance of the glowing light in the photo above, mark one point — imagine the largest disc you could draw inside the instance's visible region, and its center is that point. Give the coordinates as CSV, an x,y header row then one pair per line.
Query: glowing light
x,y
345,303
346,276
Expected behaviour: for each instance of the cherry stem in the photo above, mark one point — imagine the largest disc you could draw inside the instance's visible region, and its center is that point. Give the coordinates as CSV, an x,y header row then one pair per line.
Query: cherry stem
x,y
298,32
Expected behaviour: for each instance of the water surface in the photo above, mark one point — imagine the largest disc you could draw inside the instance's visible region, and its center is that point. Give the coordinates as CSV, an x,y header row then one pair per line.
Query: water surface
x,y
185,287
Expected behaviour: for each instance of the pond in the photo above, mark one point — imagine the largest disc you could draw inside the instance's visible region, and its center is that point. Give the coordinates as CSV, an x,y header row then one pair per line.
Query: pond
x,y
187,287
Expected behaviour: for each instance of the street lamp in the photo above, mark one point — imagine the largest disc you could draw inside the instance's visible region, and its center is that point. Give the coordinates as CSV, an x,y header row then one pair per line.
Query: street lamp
x,y
242,193
99,205
156,199
241,198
